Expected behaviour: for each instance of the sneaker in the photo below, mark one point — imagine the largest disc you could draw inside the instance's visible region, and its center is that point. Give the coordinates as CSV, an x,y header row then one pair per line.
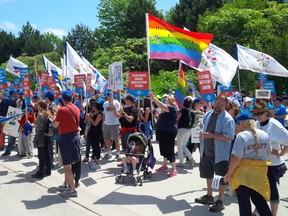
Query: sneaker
x,y
69,193
135,172
85,160
22,155
94,166
63,188
77,184
217,206
172,173
181,165
205,200
107,156
191,163
117,158
30,156
6,154
162,168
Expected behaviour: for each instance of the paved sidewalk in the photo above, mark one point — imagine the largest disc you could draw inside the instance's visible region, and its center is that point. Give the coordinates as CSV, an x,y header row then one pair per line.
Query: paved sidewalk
x,y
99,195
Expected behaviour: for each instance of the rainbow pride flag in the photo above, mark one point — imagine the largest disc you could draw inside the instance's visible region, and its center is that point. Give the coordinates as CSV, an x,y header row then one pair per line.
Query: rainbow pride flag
x,y
181,87
169,42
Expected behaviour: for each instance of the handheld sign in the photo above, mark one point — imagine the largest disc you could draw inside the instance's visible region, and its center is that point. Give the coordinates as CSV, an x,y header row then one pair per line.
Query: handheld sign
x,y
206,86
262,94
115,80
139,83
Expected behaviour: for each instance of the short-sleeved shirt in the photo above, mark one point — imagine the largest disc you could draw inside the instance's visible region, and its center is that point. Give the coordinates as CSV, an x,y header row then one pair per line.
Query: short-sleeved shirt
x,y
209,143
184,119
245,147
168,120
280,110
131,111
67,119
110,118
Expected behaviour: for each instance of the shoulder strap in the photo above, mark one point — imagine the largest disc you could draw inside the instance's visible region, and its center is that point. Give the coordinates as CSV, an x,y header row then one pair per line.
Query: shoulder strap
x,y
74,115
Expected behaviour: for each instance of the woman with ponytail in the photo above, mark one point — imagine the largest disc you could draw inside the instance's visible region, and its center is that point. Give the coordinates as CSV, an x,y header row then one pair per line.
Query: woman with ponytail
x,y
247,173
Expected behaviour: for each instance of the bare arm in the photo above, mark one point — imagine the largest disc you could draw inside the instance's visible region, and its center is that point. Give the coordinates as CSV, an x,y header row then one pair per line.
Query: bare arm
x,y
234,163
208,135
97,120
161,105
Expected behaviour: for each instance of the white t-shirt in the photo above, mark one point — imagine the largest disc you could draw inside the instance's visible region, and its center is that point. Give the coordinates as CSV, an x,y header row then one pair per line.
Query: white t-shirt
x,y
278,136
110,118
244,145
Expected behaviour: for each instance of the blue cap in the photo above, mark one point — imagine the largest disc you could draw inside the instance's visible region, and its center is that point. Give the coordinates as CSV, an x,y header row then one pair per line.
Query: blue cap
x,y
196,100
50,95
12,91
20,91
67,95
28,108
243,116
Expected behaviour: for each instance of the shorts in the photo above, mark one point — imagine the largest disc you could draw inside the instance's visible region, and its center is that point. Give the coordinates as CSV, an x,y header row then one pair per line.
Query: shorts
x,y
166,144
110,131
69,145
208,167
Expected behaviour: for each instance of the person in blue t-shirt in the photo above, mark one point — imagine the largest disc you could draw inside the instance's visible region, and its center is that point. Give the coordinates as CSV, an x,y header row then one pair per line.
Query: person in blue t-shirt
x,y
280,110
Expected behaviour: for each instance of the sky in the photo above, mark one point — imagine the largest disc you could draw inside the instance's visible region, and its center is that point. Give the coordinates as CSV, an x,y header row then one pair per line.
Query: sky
x,y
56,16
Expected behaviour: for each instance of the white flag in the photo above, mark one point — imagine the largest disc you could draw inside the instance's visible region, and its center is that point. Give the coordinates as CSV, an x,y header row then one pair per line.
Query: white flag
x,y
14,66
51,67
98,81
259,62
221,65
72,58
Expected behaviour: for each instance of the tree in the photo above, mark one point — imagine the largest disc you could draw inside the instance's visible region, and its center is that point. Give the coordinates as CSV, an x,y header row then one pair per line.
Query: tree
x,y
260,25
32,42
134,24
186,13
9,45
82,39
56,42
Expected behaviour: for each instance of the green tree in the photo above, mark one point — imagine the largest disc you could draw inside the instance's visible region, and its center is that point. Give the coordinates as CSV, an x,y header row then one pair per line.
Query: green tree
x,y
82,39
56,42
186,13
32,42
9,45
258,24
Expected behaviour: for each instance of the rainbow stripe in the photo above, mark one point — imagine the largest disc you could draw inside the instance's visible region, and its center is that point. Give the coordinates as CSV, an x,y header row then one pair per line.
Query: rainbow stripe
x,y
169,42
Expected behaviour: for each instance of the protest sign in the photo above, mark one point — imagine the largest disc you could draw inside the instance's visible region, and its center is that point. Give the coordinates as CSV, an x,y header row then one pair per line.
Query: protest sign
x,y
115,80
11,127
79,81
139,83
206,86
262,94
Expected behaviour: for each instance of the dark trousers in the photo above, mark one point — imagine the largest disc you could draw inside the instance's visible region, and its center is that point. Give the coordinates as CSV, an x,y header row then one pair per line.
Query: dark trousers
x,y
244,194
44,158
76,169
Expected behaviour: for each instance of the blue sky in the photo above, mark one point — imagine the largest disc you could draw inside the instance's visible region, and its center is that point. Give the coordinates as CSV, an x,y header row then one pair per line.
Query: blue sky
x,y
57,16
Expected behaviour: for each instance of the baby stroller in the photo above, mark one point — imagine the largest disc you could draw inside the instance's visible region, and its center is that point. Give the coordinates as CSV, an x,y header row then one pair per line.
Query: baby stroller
x,y
146,159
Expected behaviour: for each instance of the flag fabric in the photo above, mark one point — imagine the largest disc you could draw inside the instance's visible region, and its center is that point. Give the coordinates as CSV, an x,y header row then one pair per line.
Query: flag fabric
x,y
72,58
169,42
98,81
14,66
259,62
54,71
180,87
194,88
221,65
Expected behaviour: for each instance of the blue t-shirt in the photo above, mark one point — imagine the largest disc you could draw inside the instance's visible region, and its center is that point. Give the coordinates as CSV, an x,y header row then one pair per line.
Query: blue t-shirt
x,y
168,120
280,110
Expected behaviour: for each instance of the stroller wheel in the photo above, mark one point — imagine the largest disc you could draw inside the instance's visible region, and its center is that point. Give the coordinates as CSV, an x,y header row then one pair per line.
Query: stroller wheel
x,y
145,175
149,174
135,181
117,179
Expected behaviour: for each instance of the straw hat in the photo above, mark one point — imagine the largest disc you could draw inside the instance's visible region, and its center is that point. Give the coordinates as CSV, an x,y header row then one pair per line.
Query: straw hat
x,y
261,108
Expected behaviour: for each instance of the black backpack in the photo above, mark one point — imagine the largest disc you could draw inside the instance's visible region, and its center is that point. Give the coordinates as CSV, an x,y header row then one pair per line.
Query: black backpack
x,y
193,120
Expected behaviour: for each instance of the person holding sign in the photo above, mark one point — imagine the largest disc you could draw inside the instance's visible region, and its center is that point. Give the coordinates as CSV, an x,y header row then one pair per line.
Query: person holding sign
x,y
215,145
247,172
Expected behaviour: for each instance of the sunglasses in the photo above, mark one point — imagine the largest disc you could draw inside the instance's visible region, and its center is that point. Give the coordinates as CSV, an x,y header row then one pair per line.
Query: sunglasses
x,y
258,114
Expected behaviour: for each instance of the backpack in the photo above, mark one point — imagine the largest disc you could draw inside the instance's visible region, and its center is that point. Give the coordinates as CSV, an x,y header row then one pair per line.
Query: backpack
x,y
49,129
193,119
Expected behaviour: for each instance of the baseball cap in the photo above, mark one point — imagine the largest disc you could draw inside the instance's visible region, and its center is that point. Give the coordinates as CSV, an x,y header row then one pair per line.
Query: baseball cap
x,y
12,91
278,98
20,91
243,116
67,95
28,108
50,95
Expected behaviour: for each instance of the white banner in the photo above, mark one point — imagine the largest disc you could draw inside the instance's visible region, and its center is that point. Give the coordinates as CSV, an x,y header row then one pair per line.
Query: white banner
x,y
259,62
11,127
115,79
14,66
221,65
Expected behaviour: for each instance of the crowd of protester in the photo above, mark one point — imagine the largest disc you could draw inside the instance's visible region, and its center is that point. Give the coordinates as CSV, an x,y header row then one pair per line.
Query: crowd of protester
x,y
234,132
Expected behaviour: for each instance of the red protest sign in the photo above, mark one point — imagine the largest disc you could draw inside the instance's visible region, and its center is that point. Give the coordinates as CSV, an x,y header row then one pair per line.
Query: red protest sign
x,y
52,84
205,82
139,80
26,86
44,78
88,82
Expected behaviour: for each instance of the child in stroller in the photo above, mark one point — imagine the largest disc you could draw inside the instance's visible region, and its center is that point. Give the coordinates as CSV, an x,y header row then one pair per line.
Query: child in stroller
x,y
136,159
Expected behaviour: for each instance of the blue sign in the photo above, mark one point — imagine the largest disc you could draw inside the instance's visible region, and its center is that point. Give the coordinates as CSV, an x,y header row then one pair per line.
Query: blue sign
x,y
262,77
3,79
226,88
137,93
269,85
209,97
17,82
23,72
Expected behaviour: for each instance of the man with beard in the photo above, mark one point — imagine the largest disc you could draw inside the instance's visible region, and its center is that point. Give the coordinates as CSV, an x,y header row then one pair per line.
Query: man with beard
x,y
215,145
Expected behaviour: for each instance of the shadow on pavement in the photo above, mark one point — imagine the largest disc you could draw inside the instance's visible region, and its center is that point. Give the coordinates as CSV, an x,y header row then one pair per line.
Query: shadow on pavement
x,y
44,201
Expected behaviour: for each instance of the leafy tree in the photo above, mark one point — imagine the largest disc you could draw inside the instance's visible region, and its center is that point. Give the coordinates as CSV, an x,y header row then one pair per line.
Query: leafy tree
x,y
32,42
186,12
56,42
8,45
133,26
258,24
82,39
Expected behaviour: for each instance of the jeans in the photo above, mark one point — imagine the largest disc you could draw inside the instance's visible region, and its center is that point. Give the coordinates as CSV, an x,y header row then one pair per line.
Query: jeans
x,y
244,194
11,144
182,138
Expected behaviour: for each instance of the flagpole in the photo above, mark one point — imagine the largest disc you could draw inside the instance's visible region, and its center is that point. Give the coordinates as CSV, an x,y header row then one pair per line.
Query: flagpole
x,y
148,50
239,84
